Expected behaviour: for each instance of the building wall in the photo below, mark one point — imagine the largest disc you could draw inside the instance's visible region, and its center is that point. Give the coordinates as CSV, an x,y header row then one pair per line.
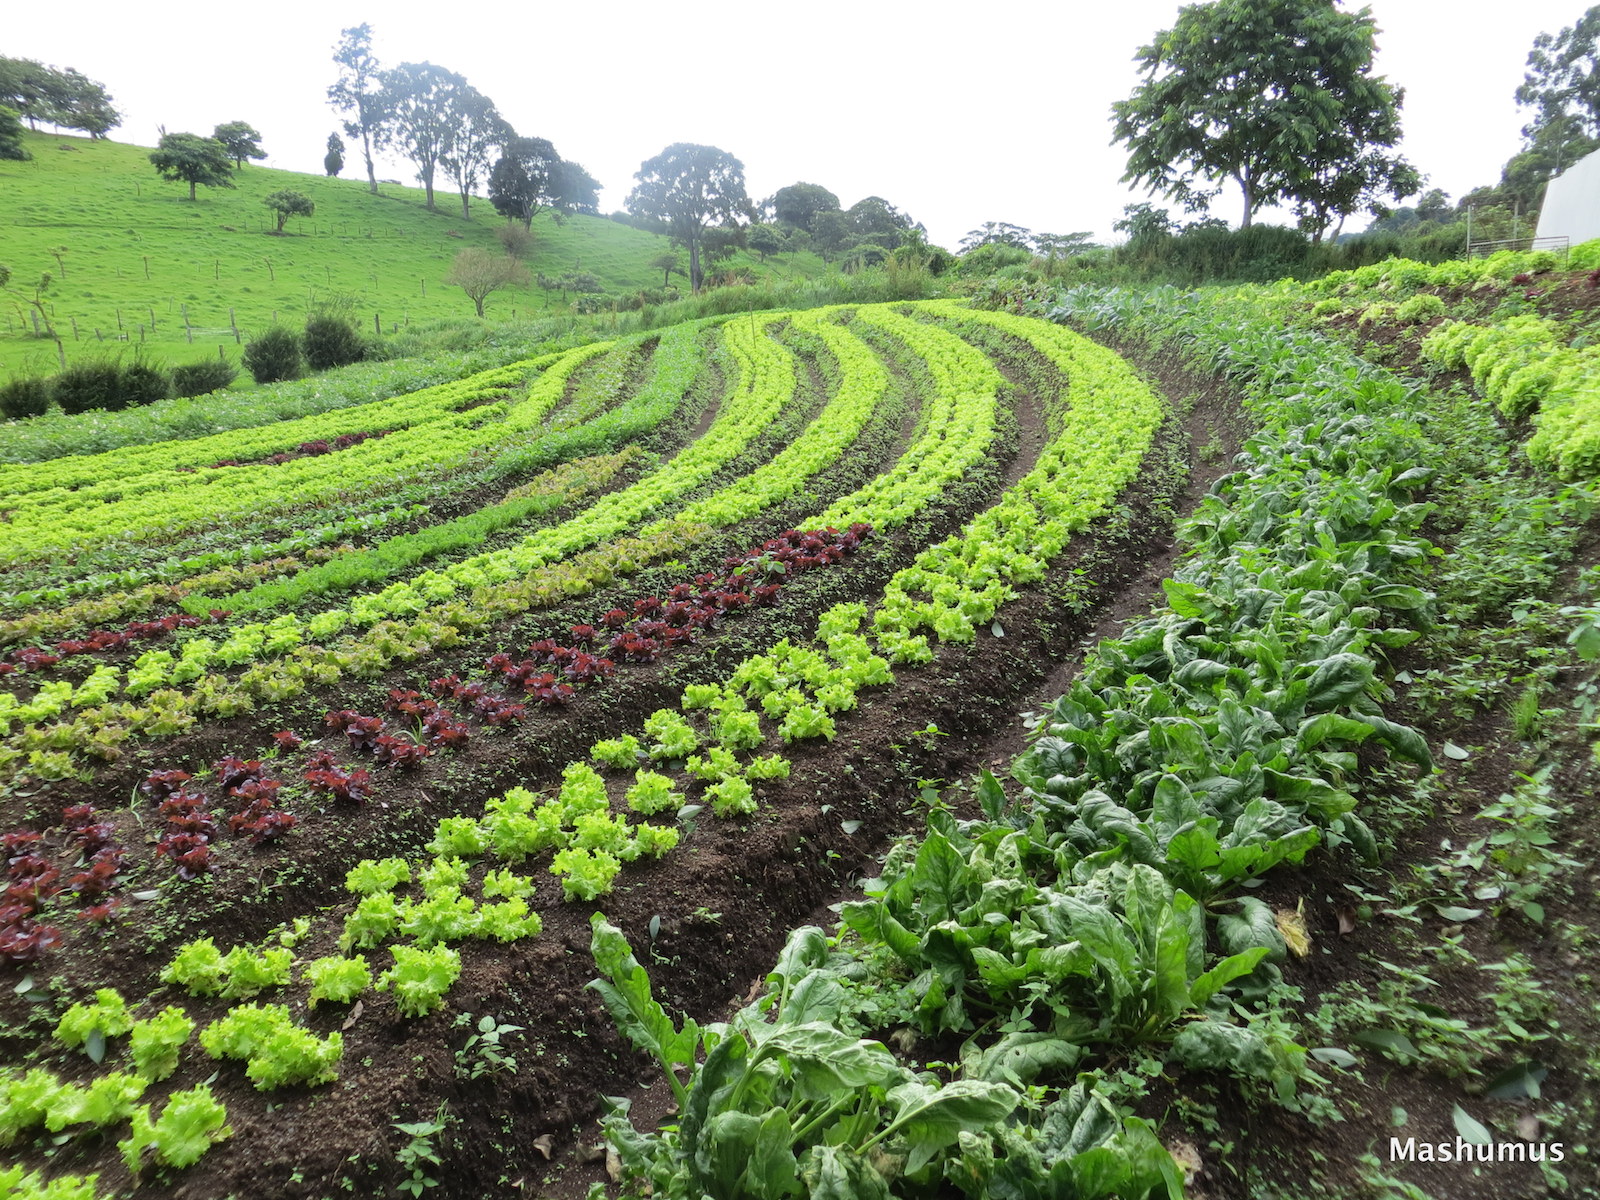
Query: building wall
x,y
1572,202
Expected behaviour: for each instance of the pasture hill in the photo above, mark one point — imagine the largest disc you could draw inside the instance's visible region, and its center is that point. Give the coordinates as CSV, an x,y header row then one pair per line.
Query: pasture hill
x,y
131,257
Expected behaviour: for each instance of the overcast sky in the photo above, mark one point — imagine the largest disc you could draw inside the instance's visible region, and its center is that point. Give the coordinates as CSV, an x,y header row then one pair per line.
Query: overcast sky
x,y
957,114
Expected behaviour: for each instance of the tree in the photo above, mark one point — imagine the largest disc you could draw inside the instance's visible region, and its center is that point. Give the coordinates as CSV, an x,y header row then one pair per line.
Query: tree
x,y
333,161
691,187
574,190
480,273
520,182
476,129
1276,95
1563,79
1052,246
667,262
11,135
359,92
765,239
421,102
997,233
874,221
799,203
240,140
192,159
67,98
289,204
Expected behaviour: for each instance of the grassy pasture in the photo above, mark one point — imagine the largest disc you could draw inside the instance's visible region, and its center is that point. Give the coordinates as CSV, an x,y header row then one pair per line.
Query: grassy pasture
x,y
140,255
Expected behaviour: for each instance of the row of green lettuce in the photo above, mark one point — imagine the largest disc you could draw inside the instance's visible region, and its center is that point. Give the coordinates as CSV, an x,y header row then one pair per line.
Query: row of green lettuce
x,y
1527,365
1104,903
58,434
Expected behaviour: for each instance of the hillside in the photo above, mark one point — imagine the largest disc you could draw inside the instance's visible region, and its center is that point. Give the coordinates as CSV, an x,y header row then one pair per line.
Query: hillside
x,y
139,254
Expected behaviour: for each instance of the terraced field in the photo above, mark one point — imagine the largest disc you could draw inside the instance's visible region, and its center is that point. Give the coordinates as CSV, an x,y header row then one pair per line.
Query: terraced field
x,y
653,643
383,787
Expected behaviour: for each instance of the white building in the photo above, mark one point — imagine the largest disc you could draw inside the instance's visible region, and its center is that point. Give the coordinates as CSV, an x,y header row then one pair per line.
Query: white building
x,y
1572,202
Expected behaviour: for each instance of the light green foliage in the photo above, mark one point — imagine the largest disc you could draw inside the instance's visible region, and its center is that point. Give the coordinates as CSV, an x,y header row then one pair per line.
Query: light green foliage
x,y
620,753
509,920
250,972
107,1017
381,875
731,796
1424,306
584,874
277,1052
506,884
443,874
653,793
155,1041
375,918
22,1184
652,841
337,979
198,966
107,1100
420,978
767,766
458,836
670,735
24,1100
189,1125
444,915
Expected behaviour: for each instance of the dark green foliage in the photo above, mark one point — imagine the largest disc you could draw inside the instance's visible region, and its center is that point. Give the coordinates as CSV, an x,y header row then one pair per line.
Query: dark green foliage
x,y
85,386
143,384
1277,95
200,378
332,342
24,398
67,98
274,356
241,140
287,203
520,182
11,135
192,159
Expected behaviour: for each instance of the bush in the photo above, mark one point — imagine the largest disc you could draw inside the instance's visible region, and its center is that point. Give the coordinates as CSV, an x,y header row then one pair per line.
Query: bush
x,y
274,356
332,342
143,384
24,398
88,386
515,238
200,378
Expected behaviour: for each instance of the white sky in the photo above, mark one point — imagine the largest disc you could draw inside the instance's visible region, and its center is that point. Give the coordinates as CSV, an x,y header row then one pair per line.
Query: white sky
x,y
955,114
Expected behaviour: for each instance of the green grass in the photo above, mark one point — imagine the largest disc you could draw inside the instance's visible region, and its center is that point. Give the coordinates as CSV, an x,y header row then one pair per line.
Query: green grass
x,y
139,253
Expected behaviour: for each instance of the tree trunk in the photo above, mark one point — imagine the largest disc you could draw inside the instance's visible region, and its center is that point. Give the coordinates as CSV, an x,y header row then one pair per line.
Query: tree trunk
x,y
694,266
1247,186
427,183
191,189
366,149
465,215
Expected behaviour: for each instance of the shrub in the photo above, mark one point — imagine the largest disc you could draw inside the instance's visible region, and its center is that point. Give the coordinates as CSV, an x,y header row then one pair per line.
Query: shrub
x,y
274,356
24,398
200,378
332,342
89,386
515,238
142,384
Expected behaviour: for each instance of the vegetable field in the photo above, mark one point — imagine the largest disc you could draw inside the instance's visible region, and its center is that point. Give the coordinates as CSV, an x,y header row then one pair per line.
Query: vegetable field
x,y
383,786
323,733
